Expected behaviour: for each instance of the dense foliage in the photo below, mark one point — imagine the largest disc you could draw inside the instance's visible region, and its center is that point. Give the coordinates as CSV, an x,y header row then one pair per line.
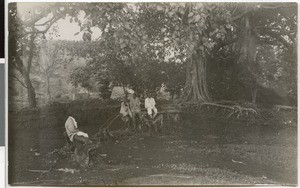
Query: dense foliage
x,y
209,51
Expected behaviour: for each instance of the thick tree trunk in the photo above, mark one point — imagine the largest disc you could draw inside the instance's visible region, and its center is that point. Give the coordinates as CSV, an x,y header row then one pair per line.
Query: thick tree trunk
x,y
48,88
30,91
196,86
247,57
248,43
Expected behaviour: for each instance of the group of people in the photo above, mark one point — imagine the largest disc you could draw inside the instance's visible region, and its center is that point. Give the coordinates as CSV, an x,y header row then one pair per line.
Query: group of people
x,y
131,108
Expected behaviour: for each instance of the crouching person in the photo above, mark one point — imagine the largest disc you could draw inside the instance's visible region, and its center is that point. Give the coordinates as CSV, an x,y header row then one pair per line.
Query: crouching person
x,y
79,141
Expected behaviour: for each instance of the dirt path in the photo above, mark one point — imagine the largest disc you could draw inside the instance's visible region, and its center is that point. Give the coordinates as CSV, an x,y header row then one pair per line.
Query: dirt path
x,y
194,152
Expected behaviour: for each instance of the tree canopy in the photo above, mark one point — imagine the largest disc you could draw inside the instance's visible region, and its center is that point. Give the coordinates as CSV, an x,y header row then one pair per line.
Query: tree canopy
x,y
180,45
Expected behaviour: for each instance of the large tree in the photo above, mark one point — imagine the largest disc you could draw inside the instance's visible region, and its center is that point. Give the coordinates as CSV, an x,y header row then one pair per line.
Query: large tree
x,y
194,30
197,30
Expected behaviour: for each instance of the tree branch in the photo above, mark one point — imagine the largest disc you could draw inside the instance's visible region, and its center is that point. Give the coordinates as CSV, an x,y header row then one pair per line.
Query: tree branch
x,y
48,21
259,8
45,30
35,19
240,16
225,43
24,85
275,7
29,61
279,37
277,31
275,28
18,64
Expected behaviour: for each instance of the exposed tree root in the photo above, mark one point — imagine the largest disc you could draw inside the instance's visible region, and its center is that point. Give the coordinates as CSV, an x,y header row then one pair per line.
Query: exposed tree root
x,y
226,109
236,109
283,107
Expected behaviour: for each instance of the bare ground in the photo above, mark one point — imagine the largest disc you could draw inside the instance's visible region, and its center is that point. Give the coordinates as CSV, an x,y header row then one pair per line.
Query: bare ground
x,y
195,151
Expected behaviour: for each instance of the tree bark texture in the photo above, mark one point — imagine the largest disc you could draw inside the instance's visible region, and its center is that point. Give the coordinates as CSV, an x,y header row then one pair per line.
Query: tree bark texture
x,y
30,90
248,42
48,88
26,74
196,86
247,50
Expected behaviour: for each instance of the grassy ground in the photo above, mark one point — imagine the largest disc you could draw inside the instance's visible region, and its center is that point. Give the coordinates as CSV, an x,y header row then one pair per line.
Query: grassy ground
x,y
195,151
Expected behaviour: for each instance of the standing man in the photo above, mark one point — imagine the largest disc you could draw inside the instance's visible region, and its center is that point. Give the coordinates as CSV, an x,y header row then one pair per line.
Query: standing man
x,y
150,106
135,107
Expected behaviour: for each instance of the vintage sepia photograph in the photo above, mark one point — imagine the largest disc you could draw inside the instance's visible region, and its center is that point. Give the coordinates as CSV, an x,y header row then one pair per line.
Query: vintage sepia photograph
x,y
152,94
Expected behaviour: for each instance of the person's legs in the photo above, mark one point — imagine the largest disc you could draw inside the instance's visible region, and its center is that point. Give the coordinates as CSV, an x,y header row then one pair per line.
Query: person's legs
x,y
83,146
81,139
149,111
70,145
155,112
131,117
138,114
134,120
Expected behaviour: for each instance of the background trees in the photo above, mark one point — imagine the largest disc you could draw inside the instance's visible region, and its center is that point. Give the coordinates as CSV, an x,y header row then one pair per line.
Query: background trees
x,y
25,27
209,51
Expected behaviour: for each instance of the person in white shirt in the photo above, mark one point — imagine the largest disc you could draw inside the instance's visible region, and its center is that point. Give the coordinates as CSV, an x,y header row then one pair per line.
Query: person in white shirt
x,y
150,106
80,141
73,132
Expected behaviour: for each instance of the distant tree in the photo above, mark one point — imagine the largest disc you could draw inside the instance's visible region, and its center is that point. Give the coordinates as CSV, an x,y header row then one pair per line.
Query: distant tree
x,y
262,27
105,89
175,73
81,76
24,29
51,60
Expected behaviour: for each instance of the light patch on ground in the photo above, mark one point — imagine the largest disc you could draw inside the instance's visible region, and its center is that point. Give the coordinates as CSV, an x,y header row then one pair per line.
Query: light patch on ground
x,y
203,176
268,155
